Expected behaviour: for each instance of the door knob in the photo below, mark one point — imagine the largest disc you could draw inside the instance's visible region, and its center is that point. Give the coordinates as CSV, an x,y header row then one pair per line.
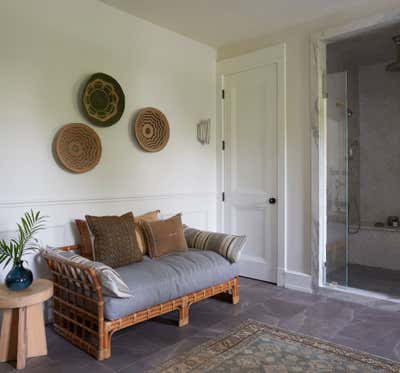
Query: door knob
x,y
272,201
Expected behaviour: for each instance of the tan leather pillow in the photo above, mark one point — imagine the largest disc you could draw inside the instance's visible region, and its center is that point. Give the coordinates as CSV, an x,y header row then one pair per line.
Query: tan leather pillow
x,y
114,239
165,236
140,236
85,242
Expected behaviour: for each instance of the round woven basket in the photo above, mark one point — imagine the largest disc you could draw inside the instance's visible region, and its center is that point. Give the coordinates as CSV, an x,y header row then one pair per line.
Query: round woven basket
x,y
151,129
77,147
103,100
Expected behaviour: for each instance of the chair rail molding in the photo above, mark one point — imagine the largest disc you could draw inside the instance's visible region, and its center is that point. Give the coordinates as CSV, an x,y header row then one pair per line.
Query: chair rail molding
x,y
105,199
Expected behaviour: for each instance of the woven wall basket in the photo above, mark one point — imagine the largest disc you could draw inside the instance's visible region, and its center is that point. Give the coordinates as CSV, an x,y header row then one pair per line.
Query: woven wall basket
x,y
151,129
77,147
103,100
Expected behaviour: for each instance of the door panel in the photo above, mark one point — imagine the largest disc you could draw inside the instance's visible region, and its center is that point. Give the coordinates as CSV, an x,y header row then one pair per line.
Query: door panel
x,y
336,270
250,112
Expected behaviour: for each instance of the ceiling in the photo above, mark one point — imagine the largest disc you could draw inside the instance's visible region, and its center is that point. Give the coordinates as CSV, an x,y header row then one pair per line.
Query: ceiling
x,y
222,22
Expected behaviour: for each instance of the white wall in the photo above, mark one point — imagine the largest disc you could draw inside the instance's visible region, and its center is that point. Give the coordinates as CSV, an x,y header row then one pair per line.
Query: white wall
x,y
297,40
47,50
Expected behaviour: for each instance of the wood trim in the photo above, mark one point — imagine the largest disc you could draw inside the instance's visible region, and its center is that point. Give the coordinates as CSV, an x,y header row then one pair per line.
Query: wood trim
x,y
79,307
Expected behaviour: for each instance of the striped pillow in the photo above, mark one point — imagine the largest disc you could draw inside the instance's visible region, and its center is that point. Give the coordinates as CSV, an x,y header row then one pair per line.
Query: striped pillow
x,y
228,245
110,281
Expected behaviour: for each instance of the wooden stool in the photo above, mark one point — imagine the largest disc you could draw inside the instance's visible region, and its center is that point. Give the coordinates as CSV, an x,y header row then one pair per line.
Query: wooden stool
x,y
22,330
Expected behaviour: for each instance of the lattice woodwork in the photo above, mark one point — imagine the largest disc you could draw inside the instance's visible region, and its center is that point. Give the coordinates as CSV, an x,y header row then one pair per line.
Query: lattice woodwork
x,y
151,129
77,147
79,306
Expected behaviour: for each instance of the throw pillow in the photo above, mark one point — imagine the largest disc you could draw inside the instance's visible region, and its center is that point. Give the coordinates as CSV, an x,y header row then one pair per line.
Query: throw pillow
x,y
86,239
228,245
114,239
140,236
165,236
111,282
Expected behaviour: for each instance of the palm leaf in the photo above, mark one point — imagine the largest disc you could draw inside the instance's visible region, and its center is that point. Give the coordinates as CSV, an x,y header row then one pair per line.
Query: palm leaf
x,y
30,224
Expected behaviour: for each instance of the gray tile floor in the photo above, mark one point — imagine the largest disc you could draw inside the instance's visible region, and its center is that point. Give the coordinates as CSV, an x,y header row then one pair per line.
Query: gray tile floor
x,y
147,345
380,280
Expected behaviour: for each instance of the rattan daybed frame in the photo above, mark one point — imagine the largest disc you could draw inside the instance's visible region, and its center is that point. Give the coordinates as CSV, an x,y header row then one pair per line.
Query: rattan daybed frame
x,y
79,312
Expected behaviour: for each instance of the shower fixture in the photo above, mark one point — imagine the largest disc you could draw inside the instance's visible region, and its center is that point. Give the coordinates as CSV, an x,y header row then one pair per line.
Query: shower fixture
x,y
353,147
349,111
395,66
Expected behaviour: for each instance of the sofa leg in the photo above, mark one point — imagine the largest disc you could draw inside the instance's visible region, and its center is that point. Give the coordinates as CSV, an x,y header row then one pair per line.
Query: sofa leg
x,y
235,291
183,312
105,348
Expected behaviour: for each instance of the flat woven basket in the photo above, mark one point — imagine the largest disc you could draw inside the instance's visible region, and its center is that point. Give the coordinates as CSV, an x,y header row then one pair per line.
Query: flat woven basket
x,y
77,147
151,129
103,100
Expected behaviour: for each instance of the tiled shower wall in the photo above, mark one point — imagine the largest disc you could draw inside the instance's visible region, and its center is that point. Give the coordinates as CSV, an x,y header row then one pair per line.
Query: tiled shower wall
x,y
373,96
379,143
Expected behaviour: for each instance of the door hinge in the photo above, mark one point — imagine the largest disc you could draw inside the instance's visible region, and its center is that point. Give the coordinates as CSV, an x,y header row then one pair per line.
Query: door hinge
x,y
223,196
223,94
223,144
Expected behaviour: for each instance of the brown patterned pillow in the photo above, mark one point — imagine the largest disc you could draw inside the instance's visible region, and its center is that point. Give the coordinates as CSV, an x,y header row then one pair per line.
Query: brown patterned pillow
x,y
140,236
114,239
165,236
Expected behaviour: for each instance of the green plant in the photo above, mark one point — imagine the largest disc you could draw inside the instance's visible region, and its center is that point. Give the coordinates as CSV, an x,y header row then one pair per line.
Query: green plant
x,y
30,224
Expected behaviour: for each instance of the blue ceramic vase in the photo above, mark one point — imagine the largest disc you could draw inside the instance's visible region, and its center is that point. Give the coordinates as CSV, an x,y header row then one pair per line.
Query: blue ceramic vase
x,y
19,278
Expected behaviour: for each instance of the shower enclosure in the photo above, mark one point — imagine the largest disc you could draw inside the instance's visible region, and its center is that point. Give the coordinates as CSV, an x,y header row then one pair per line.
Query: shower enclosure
x,y
338,217
363,163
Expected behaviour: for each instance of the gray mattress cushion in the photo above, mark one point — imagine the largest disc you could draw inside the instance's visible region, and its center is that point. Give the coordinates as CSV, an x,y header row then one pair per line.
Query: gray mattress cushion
x,y
154,281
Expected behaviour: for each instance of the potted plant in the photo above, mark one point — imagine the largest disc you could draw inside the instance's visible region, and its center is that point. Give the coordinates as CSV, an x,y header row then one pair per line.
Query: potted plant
x,y
20,278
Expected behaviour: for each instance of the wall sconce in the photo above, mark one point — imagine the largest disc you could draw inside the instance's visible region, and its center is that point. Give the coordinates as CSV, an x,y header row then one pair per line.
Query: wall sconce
x,y
203,131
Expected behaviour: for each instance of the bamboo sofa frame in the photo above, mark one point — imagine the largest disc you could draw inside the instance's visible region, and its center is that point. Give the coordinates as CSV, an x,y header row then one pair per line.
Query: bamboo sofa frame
x,y
79,306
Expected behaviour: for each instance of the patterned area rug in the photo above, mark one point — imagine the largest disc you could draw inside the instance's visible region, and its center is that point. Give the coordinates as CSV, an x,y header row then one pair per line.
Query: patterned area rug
x,y
257,347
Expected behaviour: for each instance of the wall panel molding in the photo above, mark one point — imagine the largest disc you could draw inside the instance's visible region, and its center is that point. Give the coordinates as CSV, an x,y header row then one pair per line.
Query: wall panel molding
x,y
105,199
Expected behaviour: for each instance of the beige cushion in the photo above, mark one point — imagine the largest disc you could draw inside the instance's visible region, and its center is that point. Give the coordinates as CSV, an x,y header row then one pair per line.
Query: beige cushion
x,y
114,239
165,236
140,236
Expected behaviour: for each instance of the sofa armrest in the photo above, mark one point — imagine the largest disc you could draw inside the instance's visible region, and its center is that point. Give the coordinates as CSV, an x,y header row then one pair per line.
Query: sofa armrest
x,y
228,245
69,248
78,299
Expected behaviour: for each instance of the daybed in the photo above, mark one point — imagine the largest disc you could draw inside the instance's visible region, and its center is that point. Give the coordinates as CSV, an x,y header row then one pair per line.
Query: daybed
x,y
88,318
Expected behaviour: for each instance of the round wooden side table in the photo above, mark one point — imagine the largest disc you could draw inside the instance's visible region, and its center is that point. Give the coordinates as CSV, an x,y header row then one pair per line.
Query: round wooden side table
x,y
22,330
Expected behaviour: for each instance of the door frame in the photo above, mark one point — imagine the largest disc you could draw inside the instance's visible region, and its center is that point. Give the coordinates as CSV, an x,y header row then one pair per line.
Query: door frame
x,y
318,111
275,54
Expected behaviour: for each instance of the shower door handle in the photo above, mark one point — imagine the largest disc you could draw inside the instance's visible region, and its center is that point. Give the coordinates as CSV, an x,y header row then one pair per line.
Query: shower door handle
x,y
272,201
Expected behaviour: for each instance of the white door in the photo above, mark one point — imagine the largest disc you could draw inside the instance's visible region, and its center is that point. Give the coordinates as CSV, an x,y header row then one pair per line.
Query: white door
x,y
250,111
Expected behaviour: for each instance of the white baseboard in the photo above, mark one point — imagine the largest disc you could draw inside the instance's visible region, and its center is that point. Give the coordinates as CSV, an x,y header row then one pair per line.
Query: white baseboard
x,y
294,280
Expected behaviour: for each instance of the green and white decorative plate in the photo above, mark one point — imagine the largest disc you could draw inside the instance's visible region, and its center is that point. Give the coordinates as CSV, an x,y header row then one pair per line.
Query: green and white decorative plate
x,y
103,100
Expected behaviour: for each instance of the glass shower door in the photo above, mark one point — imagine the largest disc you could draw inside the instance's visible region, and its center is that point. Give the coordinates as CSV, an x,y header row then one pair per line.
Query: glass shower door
x,y
336,271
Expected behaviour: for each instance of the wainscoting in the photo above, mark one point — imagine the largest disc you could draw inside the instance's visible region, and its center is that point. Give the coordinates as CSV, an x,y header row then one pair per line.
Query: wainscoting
x,y
198,210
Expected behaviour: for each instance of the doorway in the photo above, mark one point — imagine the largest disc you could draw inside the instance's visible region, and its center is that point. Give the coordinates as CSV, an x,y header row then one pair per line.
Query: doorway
x,y
355,215
252,133
363,172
